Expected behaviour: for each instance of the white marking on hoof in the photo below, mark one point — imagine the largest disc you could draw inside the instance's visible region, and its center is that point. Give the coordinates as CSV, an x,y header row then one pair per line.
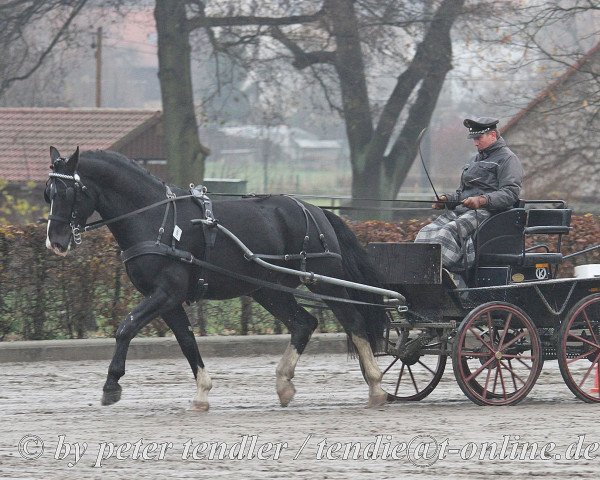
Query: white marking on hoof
x,y
377,395
203,386
377,400
199,406
284,374
286,392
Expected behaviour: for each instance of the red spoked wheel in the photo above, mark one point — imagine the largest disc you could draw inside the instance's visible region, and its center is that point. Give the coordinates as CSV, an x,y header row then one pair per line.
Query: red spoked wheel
x,y
579,349
411,376
497,354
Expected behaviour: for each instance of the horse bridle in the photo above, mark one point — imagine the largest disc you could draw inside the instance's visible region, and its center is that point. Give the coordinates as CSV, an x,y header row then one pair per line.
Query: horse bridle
x,y
71,194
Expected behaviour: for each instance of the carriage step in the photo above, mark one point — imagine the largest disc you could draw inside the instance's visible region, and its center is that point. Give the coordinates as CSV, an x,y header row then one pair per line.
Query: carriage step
x,y
413,346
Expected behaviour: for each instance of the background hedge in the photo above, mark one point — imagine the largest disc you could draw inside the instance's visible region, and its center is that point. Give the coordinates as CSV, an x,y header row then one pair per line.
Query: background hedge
x,y
87,293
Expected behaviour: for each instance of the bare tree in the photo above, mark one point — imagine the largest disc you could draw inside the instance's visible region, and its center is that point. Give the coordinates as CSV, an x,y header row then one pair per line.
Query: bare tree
x,y
558,44
342,44
547,39
24,53
380,63
578,49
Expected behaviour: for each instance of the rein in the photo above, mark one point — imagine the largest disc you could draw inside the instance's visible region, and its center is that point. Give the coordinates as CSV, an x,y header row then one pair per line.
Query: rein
x,y
102,223
153,248
158,248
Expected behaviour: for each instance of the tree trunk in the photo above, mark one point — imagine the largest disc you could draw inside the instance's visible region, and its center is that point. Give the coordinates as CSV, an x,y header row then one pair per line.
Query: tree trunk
x,y
374,174
350,69
185,154
432,61
201,318
246,316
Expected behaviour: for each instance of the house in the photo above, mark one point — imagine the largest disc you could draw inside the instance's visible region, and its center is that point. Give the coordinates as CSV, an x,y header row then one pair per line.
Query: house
x,y
251,143
26,135
556,136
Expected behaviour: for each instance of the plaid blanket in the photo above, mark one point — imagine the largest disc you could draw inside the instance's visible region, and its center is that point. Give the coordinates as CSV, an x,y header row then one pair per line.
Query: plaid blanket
x,y
453,231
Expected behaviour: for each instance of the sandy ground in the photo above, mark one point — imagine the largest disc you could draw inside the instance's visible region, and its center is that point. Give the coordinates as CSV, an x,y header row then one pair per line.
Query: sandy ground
x,y
325,433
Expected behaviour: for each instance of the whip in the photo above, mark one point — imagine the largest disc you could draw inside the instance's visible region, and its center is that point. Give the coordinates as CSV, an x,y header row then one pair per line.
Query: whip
x,y
419,138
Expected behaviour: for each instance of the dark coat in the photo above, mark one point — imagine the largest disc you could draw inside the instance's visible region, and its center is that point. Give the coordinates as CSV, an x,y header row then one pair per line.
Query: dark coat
x,y
495,172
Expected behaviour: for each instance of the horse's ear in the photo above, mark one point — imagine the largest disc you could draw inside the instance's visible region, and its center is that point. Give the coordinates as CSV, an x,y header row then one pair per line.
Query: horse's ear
x,y
54,154
73,159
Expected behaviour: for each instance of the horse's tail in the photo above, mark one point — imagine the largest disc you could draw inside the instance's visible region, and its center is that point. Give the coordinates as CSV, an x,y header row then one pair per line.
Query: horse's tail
x,y
360,269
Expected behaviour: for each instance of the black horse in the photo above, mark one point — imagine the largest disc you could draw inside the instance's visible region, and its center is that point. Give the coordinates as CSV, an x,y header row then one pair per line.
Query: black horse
x,y
115,187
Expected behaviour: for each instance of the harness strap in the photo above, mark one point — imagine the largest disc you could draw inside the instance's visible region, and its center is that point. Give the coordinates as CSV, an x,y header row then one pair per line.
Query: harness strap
x,y
209,232
151,248
58,218
161,230
205,203
170,194
303,256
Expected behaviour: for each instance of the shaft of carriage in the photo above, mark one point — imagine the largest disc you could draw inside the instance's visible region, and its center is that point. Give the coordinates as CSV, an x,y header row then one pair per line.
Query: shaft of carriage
x,y
391,297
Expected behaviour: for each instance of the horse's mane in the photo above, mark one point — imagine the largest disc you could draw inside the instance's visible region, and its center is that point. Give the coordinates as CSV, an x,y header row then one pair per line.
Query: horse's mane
x,y
125,166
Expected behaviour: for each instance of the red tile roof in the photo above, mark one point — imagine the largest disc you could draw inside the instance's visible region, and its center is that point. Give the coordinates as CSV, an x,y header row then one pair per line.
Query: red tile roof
x,y
27,133
548,91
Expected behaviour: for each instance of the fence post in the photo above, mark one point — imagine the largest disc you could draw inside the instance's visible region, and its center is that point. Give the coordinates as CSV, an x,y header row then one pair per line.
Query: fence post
x,y
246,316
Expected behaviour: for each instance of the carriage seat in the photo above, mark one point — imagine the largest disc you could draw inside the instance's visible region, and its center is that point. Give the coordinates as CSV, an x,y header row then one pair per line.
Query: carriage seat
x,y
501,239
547,221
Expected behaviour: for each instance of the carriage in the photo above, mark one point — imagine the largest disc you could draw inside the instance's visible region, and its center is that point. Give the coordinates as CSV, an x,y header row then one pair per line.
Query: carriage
x,y
499,323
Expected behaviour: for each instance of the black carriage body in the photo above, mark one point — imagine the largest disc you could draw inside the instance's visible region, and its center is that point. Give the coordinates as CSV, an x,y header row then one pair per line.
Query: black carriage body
x,y
546,302
415,270
508,268
500,320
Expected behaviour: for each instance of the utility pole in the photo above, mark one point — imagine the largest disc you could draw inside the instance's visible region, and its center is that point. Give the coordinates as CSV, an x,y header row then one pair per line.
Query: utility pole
x,y
98,46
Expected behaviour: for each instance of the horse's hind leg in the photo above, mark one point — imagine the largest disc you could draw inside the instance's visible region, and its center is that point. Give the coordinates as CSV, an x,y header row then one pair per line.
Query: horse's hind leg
x,y
377,395
301,325
354,325
178,322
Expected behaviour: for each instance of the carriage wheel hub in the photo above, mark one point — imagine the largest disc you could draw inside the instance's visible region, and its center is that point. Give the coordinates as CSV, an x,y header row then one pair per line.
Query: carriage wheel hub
x,y
410,360
498,355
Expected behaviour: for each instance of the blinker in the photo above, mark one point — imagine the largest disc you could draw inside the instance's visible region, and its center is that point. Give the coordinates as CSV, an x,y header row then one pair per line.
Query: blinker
x,y
50,192
70,195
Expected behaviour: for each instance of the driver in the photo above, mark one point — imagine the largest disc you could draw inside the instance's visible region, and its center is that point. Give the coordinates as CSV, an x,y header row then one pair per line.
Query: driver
x,y
489,183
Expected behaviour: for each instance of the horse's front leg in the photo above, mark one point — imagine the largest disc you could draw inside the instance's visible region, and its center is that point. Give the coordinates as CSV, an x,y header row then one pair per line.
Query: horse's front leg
x,y
178,322
141,315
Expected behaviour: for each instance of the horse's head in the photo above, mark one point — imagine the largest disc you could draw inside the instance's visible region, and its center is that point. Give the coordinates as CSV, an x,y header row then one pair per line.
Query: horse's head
x,y
70,203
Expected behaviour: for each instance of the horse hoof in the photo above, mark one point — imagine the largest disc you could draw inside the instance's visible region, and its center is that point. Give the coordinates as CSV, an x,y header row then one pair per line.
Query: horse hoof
x,y
111,396
286,395
197,406
377,400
